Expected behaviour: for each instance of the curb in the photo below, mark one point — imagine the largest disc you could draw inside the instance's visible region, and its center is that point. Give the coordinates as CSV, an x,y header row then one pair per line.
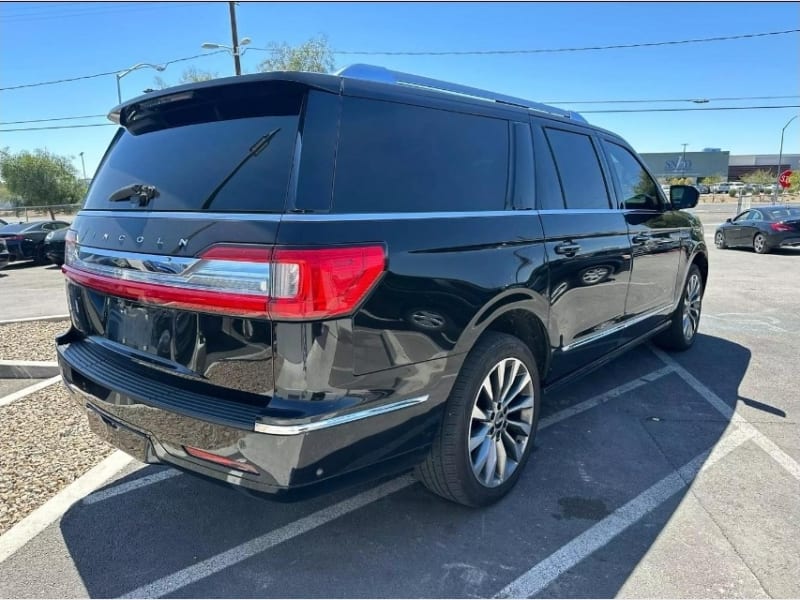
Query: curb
x,y
31,319
28,369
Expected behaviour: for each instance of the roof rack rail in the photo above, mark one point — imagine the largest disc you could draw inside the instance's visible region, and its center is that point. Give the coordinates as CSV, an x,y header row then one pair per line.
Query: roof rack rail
x,y
383,75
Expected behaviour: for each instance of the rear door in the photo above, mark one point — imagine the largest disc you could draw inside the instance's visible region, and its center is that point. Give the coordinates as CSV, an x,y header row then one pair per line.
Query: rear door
x,y
655,233
175,273
587,246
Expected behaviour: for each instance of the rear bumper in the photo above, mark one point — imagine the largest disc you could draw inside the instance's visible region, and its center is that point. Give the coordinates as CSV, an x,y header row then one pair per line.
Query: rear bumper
x,y
294,455
790,242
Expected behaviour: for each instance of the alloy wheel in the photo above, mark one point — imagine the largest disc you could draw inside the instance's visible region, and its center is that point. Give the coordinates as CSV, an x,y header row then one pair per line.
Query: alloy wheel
x,y
501,422
691,306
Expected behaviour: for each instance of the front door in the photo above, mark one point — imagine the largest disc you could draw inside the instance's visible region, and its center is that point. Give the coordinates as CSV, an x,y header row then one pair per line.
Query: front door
x,y
655,233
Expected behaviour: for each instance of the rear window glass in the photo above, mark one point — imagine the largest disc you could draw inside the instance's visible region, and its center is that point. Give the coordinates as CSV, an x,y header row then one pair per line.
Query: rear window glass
x,y
400,158
578,169
221,150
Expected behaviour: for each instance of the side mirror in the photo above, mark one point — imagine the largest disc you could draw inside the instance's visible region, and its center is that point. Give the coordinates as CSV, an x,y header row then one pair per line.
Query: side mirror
x,y
683,196
729,220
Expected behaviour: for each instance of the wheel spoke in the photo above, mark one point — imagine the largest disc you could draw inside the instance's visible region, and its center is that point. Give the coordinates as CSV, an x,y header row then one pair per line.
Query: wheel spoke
x,y
512,445
483,455
521,403
520,426
504,395
521,385
478,414
499,380
487,388
491,463
478,436
502,462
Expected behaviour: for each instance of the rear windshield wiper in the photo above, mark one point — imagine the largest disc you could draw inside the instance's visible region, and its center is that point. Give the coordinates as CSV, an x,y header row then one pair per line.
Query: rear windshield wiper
x,y
143,193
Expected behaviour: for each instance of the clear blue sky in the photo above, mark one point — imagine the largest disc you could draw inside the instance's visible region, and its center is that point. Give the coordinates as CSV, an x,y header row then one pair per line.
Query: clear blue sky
x,y
40,42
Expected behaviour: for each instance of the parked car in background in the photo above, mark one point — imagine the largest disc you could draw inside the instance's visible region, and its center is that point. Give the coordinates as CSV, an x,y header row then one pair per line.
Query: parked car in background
x,y
3,222
702,188
358,274
762,229
5,257
54,246
25,241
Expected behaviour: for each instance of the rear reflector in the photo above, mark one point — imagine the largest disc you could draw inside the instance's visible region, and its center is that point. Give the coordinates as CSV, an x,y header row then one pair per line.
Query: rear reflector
x,y
220,460
238,280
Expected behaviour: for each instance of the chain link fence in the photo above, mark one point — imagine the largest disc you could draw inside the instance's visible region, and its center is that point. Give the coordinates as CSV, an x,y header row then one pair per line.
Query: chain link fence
x,y
24,214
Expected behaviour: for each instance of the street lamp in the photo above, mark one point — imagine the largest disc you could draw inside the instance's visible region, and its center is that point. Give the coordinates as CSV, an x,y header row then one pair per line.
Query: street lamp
x,y
780,159
235,51
135,67
83,165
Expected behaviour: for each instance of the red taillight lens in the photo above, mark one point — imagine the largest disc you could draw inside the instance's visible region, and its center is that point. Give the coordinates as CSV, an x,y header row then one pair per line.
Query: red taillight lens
x,y
322,283
780,227
241,280
220,460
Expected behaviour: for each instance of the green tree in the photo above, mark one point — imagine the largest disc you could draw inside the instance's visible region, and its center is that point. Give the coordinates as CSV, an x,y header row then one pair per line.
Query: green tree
x,y
315,55
711,180
794,182
189,75
760,177
41,178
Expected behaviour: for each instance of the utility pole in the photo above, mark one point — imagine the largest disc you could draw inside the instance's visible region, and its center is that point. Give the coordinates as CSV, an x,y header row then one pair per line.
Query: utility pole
x,y
235,38
83,165
683,161
780,160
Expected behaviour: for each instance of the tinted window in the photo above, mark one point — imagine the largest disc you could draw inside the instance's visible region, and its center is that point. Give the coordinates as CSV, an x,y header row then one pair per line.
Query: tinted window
x,y
743,217
395,158
637,188
578,170
229,152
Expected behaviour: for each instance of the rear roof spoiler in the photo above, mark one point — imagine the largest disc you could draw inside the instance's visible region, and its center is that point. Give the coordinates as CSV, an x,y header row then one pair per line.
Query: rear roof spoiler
x,y
383,75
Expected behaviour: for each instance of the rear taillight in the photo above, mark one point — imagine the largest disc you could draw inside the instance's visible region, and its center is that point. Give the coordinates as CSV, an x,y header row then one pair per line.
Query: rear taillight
x,y
241,280
780,227
220,460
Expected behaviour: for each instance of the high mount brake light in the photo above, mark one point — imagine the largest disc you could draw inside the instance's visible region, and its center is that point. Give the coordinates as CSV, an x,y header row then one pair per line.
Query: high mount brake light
x,y
241,280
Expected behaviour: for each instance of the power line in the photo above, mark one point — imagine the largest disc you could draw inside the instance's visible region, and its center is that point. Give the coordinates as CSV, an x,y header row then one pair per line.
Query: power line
x,y
695,100
51,119
651,110
442,53
114,72
56,127
553,50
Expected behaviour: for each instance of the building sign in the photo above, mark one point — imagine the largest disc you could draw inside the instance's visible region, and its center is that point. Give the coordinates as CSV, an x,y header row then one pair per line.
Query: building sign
x,y
666,165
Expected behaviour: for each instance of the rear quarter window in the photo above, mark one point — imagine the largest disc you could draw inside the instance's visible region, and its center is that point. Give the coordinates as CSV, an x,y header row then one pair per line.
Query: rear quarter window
x,y
399,158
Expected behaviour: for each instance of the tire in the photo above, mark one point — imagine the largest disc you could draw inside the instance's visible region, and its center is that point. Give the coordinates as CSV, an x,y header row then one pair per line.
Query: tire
x,y
719,240
450,468
678,336
38,257
760,244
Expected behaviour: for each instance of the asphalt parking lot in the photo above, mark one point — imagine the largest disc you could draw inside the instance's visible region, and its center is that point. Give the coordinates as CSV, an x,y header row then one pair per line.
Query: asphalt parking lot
x,y
658,476
31,291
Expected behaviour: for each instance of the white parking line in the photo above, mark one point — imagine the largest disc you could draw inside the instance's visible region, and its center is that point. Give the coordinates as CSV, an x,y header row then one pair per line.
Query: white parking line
x,y
603,398
36,522
543,574
237,554
130,486
31,319
778,455
29,390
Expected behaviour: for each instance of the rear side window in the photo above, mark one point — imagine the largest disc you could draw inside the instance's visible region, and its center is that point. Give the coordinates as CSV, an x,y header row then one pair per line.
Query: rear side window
x,y
578,169
220,150
400,158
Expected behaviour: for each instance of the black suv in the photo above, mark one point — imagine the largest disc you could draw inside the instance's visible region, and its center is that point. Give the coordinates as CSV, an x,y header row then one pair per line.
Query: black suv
x,y
289,280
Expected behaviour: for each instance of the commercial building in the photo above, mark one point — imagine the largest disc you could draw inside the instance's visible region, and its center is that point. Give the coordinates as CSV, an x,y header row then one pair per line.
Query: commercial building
x,y
715,162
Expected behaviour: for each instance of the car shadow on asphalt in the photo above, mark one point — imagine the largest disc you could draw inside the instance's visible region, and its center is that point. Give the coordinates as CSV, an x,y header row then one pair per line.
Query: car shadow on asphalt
x,y
196,538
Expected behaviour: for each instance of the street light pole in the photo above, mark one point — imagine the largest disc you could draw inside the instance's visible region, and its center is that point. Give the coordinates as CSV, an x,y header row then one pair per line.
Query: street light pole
x,y
83,165
235,39
780,160
135,67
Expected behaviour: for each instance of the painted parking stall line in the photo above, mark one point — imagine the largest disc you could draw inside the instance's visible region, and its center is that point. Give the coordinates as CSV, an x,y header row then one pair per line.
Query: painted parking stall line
x,y
767,445
544,573
129,486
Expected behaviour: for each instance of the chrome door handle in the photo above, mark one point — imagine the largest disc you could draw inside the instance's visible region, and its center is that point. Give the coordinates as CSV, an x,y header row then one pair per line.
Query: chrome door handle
x,y
567,248
641,239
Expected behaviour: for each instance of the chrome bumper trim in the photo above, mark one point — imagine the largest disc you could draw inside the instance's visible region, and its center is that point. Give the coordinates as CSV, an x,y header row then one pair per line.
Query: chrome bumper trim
x,y
298,428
